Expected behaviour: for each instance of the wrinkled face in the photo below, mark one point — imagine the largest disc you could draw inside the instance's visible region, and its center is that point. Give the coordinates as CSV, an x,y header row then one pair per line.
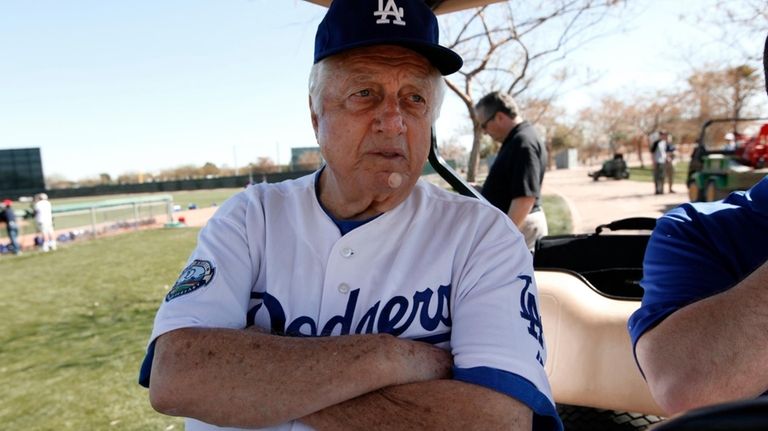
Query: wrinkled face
x,y
373,117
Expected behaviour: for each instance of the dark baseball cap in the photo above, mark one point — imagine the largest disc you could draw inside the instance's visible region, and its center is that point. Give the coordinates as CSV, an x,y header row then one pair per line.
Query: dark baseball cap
x,y
352,24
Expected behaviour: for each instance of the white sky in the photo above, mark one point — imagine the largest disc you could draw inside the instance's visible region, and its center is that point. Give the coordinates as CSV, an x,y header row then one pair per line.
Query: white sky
x,y
144,85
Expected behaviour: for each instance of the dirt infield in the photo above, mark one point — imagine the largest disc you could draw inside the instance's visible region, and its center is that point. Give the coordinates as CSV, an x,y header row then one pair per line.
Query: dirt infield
x,y
192,218
197,217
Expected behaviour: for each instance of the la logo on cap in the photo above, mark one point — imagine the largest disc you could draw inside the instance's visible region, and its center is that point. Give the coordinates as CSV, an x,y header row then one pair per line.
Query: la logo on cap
x,y
390,9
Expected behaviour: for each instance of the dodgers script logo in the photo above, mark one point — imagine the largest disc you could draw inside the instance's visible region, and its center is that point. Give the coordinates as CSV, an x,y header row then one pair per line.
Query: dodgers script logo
x,y
393,317
384,13
530,312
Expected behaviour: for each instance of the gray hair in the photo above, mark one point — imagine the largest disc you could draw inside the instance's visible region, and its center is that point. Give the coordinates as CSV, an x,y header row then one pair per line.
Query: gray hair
x,y
319,74
498,101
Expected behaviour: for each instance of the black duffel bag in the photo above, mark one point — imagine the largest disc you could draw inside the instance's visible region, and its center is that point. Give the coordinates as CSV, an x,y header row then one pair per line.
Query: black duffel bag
x,y
611,263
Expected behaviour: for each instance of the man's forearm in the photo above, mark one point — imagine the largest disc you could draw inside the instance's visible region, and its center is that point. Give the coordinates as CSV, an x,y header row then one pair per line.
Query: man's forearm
x,y
252,379
519,209
711,351
436,404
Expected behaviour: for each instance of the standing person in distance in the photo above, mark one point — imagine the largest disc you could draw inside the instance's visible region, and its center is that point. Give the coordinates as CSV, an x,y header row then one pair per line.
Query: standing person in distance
x,y
44,221
659,157
8,216
669,163
514,181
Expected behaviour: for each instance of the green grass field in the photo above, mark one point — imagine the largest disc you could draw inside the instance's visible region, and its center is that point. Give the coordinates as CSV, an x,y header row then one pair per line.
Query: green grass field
x,y
646,173
75,326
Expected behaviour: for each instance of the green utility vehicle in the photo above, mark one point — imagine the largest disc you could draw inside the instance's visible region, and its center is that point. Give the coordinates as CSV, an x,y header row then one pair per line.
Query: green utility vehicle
x,y
718,168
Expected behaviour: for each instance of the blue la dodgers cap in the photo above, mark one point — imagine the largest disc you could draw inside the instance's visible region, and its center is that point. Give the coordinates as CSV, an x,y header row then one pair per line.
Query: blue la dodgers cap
x,y
352,24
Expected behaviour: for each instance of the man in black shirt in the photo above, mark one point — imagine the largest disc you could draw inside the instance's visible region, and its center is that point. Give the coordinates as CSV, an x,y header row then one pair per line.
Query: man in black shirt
x,y
514,182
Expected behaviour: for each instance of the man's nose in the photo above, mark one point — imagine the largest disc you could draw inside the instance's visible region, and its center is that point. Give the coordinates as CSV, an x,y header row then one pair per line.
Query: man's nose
x,y
389,118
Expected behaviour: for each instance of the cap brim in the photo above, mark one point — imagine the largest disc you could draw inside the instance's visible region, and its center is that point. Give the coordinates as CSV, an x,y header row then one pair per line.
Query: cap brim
x,y
444,59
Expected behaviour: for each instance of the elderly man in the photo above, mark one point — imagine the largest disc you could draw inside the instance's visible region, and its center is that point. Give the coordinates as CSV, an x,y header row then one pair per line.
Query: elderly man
x,y
359,296
701,334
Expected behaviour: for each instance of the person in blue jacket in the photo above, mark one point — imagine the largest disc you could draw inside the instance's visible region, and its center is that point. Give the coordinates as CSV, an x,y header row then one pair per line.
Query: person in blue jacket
x,y
700,336
12,228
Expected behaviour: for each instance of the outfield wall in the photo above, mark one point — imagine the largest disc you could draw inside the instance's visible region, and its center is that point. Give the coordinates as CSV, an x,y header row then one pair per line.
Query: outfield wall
x,y
192,184
176,185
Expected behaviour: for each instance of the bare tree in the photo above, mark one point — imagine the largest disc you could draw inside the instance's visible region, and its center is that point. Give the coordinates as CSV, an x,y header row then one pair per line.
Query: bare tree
x,y
653,113
131,177
737,22
263,165
624,125
209,169
105,178
512,45
58,181
739,28
453,150
611,124
549,119
724,92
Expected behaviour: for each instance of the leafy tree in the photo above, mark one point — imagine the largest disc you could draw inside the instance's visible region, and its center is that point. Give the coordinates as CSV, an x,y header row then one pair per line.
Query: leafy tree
x,y
209,169
724,92
263,165
105,178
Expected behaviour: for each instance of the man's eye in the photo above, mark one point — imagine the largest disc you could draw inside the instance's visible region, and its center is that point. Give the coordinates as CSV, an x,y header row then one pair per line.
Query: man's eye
x,y
417,99
363,93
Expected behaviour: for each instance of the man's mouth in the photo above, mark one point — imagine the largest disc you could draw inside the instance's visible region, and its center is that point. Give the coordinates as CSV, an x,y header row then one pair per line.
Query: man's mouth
x,y
389,154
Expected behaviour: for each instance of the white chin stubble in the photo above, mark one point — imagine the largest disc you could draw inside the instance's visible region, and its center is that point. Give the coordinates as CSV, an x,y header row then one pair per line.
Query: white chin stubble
x,y
395,180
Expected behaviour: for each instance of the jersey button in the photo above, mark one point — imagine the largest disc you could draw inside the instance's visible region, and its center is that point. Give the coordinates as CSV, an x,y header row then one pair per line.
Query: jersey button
x,y
343,288
347,252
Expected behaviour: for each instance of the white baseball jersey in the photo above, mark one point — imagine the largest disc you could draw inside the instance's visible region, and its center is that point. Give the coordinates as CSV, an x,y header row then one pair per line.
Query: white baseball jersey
x,y
44,215
441,268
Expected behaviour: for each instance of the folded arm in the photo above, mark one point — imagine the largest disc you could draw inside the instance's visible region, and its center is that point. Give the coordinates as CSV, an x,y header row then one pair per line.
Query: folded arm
x,y
711,351
436,404
247,378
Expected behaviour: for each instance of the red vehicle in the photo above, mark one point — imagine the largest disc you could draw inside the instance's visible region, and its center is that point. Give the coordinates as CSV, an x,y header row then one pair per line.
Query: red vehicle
x,y
755,152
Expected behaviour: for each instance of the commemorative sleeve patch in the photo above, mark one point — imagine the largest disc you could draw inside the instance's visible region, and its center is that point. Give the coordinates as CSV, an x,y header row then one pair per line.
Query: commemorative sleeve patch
x,y
198,274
